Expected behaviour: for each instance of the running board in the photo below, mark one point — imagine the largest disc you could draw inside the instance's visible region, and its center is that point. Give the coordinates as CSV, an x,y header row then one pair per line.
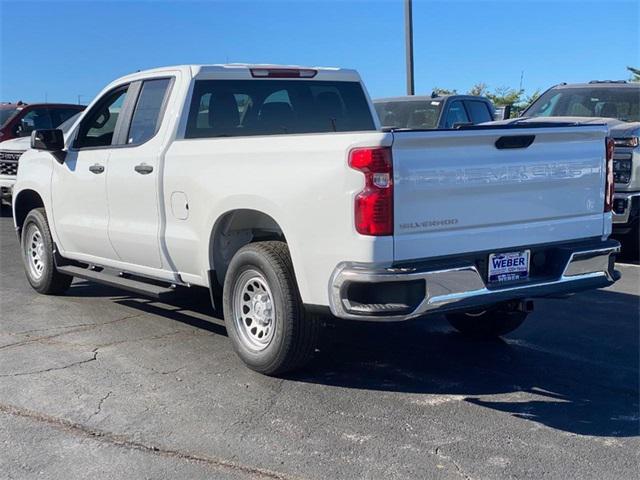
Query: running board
x,y
140,287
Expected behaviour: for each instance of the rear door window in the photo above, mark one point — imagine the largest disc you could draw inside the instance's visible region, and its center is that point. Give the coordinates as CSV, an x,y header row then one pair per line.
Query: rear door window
x,y
479,111
146,116
225,108
456,114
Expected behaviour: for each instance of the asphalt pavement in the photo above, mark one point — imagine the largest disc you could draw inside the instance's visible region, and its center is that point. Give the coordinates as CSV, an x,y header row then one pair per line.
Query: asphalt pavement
x,y
104,385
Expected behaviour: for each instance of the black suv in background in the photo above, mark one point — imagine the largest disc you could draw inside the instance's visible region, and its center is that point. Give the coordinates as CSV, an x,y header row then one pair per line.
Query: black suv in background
x,y
417,112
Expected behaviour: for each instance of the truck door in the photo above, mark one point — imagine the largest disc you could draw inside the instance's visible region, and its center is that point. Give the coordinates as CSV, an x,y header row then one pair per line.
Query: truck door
x,y
134,175
79,187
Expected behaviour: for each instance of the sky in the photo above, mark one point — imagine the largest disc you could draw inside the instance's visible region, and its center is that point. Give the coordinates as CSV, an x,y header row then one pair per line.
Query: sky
x,y
67,51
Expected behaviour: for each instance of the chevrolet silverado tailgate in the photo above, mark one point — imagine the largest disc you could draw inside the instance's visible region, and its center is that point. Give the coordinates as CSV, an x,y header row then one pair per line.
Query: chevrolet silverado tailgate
x,y
488,189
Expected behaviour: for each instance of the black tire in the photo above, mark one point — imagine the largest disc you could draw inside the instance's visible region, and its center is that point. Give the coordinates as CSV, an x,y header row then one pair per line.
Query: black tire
x,y
488,323
49,281
291,334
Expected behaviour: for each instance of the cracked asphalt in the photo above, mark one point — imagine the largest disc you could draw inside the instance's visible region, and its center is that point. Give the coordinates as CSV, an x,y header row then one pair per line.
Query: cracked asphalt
x,y
101,384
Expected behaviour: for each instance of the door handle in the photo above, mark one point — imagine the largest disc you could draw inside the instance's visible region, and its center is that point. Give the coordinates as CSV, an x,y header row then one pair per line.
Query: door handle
x,y
143,169
96,168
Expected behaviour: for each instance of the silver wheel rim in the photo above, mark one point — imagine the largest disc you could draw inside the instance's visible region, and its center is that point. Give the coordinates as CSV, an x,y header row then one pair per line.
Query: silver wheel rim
x,y
254,310
35,252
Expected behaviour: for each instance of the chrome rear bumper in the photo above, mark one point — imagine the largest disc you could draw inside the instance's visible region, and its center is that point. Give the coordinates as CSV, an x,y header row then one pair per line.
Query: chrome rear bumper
x,y
462,287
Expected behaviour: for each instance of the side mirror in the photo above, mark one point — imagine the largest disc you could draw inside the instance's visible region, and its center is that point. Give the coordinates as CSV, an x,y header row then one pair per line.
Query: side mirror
x,y
51,140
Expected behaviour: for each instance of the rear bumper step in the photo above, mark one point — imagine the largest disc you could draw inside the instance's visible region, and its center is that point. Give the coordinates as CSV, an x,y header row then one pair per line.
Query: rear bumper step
x,y
462,286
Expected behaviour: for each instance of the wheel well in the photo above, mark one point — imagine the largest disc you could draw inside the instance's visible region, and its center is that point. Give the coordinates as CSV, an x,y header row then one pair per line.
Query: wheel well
x,y
234,230
26,201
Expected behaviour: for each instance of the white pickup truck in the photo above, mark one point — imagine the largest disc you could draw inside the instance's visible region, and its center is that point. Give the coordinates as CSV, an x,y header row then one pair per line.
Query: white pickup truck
x,y
277,189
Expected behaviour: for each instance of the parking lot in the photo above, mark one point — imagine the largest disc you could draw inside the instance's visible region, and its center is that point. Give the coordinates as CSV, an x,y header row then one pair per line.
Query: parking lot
x,y
100,384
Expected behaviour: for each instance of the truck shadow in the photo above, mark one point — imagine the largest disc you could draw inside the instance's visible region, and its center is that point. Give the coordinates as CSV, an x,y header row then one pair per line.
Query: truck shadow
x,y
573,366
582,378
192,307
630,249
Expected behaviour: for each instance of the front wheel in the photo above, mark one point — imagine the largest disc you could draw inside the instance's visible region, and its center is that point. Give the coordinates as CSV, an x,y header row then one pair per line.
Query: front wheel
x,y
267,324
487,323
37,255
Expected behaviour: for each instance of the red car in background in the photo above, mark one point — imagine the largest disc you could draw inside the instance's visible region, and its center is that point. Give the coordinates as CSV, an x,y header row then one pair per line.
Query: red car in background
x,y
20,119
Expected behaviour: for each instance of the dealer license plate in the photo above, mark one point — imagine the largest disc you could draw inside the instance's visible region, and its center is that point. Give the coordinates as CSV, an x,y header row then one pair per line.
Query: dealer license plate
x,y
510,266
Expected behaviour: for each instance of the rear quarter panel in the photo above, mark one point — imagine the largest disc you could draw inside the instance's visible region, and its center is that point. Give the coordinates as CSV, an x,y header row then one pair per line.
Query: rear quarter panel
x,y
302,181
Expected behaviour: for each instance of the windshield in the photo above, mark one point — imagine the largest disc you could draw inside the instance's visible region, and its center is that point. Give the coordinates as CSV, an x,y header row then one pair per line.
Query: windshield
x,y
617,102
6,114
409,114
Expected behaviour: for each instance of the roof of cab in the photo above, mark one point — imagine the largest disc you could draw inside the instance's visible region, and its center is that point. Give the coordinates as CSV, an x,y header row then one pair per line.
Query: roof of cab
x,y
428,98
21,105
600,84
243,70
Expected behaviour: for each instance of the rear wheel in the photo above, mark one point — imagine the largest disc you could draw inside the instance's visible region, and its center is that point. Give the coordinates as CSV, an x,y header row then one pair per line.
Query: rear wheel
x,y
37,255
265,319
487,323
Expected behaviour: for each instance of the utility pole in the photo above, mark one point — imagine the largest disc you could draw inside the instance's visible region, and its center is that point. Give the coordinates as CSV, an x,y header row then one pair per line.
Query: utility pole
x,y
408,38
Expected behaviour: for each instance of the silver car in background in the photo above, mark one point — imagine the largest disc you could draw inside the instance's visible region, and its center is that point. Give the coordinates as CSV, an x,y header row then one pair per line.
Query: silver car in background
x,y
616,103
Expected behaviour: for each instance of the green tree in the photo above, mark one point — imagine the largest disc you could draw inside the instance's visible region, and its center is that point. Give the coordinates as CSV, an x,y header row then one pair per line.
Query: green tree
x,y
479,89
505,96
444,91
635,74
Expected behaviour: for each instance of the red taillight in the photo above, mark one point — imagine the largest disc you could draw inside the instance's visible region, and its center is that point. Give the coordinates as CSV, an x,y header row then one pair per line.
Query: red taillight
x,y
609,182
283,72
374,204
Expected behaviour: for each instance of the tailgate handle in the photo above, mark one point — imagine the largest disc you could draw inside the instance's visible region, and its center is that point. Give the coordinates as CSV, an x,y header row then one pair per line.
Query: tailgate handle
x,y
514,141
